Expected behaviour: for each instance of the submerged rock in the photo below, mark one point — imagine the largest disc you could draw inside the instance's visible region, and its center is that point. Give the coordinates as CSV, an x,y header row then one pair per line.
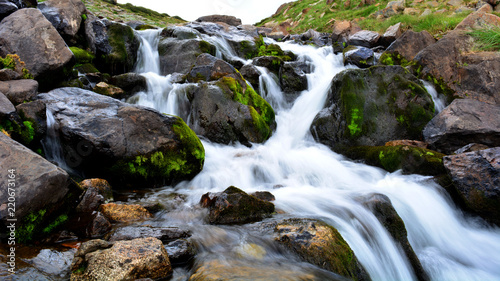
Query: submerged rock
x,y
373,106
319,244
234,206
122,143
123,260
476,179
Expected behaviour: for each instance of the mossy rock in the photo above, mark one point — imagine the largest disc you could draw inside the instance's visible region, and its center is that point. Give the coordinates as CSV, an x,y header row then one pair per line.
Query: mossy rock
x,y
368,107
412,160
86,68
124,46
394,59
82,56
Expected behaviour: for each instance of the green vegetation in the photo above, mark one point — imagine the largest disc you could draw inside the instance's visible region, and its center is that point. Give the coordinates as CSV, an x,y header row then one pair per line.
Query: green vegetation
x,y
13,61
82,56
57,222
487,39
26,230
353,103
24,133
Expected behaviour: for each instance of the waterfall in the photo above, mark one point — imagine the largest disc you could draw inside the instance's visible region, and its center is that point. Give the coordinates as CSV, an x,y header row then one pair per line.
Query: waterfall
x,y
439,103
148,59
309,180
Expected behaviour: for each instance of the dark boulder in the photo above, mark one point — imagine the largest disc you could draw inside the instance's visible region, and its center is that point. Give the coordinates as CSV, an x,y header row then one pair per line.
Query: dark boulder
x,y
221,18
364,38
210,68
65,16
360,56
96,35
293,77
180,251
39,187
382,208
234,206
7,74
7,8
30,35
373,106
476,179
251,74
131,83
180,55
464,121
272,63
320,244
180,32
124,144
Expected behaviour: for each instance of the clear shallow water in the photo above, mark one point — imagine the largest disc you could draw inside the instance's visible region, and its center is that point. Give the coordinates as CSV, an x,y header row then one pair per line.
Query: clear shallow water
x,y
309,180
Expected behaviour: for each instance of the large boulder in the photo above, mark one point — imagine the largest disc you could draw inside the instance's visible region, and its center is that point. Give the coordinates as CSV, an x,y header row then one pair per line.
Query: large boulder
x,y
96,35
30,35
373,106
362,57
475,176
180,55
131,83
454,66
210,68
122,48
125,144
230,111
364,38
320,244
123,260
293,77
234,206
406,47
382,208
221,18
65,15
463,122
19,91
39,188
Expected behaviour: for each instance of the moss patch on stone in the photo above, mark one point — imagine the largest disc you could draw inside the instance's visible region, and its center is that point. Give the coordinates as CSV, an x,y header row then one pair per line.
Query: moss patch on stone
x,y
28,226
353,103
394,59
208,48
82,56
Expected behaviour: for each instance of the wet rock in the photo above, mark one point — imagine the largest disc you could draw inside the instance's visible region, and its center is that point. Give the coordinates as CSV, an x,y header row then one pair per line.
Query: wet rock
x,y
210,68
251,74
96,35
28,34
165,234
180,55
470,148
464,121
180,251
361,57
180,32
19,91
411,160
40,188
318,38
341,32
106,89
406,47
475,176
124,213
272,63
373,106
98,227
412,143
364,38
264,195
124,260
383,210
320,244
65,15
7,8
221,18
53,263
125,144
91,201
131,83
234,206
293,77
391,34
102,186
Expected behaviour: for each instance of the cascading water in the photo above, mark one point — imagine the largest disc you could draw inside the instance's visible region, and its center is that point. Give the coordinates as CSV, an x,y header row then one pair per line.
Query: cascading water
x,y
439,103
309,180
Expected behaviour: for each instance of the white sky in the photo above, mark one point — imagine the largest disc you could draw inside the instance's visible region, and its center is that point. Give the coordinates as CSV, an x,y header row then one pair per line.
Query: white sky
x,y
249,11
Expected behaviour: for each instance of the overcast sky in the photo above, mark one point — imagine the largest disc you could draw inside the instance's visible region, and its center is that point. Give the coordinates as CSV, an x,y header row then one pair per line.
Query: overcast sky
x,y
249,11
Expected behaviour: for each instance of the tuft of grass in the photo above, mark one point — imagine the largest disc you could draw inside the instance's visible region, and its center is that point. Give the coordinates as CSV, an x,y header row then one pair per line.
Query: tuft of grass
x,y
487,39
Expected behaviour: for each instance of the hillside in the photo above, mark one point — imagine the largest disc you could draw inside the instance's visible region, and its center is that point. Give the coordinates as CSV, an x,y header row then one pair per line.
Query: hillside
x,y
128,12
435,16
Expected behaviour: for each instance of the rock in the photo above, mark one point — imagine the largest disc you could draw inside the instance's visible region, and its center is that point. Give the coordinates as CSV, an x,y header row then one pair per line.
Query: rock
x,y
180,251
412,143
372,106
319,39
406,47
180,32
28,34
125,144
483,7
210,68
230,111
90,201
52,262
40,188
131,83
96,35
320,244
383,210
124,213
19,91
411,11
180,55
124,260
361,57
106,89
426,12
391,34
100,185
251,74
7,109
293,77
234,206
456,69
65,15
272,63
221,18
475,178
464,121
342,30
7,74
98,227
364,38
7,8
411,160
470,148
121,54
397,6
165,234
264,195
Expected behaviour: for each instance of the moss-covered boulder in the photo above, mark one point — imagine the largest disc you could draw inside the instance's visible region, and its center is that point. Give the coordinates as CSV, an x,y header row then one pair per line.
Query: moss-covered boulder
x,y
124,144
320,244
412,160
372,106
179,56
234,206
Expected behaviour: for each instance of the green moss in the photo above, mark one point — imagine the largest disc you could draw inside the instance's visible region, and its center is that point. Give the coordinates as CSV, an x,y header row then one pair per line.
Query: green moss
x,y
118,35
57,222
84,17
28,133
260,124
353,104
11,61
144,27
394,59
208,48
82,56
26,229
23,133
86,68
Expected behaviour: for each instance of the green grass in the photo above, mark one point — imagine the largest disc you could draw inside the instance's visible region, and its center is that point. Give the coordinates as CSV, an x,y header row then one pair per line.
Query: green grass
x,y
487,39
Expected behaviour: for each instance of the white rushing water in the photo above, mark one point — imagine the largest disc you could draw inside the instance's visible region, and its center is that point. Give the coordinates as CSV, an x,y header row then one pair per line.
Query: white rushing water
x,y
439,102
309,180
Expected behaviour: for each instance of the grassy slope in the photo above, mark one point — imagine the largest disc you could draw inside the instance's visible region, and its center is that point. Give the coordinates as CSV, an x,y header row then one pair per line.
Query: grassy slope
x,y
127,12
318,15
